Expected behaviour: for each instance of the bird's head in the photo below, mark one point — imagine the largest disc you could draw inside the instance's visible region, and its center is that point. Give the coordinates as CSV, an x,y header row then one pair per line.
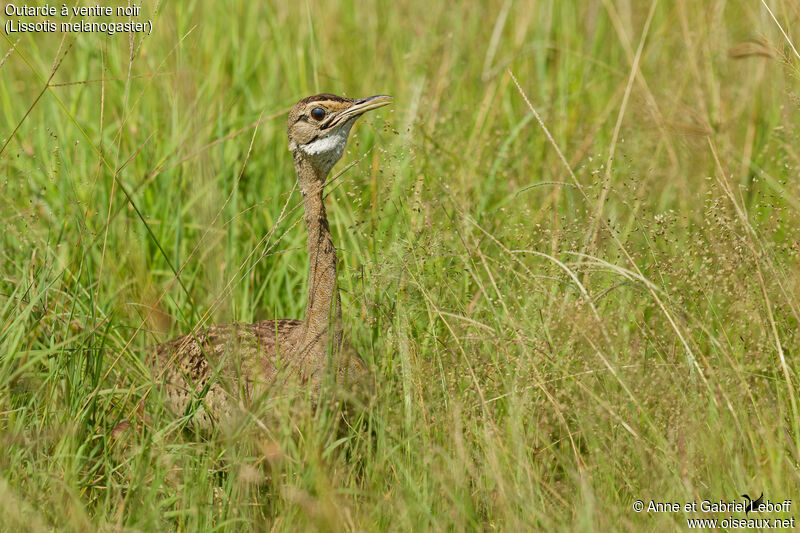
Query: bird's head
x,y
319,125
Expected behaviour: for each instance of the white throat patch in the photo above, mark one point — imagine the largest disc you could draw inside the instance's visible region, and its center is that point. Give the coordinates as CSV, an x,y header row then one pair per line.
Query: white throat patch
x,y
326,151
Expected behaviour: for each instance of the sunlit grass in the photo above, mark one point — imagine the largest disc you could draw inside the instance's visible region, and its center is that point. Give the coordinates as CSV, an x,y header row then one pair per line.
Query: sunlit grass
x,y
563,313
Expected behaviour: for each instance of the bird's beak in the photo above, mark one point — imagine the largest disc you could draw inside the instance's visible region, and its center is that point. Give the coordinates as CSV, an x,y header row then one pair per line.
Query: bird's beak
x,y
372,102
360,107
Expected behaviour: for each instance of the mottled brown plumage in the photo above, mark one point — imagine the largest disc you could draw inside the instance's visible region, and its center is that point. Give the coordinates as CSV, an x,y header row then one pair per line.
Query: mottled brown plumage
x,y
219,371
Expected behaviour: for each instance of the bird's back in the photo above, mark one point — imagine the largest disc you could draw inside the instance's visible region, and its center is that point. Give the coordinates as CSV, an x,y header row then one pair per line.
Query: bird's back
x,y
220,369
215,373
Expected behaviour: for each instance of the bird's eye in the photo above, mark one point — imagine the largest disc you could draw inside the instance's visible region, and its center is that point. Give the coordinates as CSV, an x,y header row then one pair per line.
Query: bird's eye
x,y
318,113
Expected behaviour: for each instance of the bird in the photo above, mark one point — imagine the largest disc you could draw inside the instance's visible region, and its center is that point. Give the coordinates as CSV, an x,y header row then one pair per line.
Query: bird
x,y
752,505
212,373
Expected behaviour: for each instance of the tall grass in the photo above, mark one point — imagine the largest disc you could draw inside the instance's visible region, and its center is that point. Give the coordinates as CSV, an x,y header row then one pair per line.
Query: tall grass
x,y
574,292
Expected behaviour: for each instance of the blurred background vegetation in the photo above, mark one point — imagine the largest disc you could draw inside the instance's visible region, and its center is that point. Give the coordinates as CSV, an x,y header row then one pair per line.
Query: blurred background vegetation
x,y
563,316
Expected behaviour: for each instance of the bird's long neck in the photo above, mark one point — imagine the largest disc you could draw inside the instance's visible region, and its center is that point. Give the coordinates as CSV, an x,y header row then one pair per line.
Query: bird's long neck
x,y
323,320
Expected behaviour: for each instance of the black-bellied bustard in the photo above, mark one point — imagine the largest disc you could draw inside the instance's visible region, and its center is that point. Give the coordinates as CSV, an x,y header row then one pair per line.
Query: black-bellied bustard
x,y
217,371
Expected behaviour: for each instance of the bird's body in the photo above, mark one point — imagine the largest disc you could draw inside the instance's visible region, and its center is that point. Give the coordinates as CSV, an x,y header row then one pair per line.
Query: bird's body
x,y
217,371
